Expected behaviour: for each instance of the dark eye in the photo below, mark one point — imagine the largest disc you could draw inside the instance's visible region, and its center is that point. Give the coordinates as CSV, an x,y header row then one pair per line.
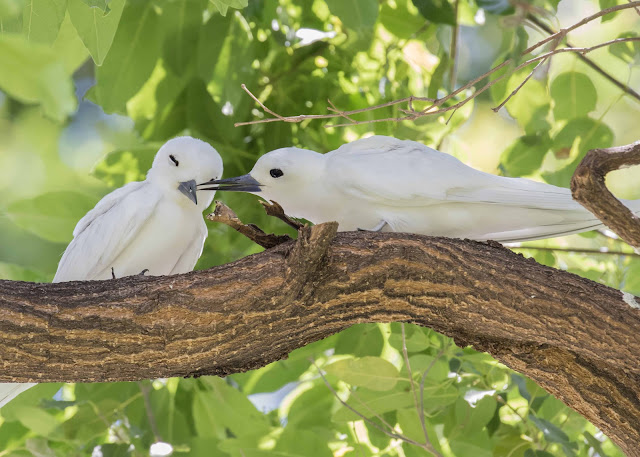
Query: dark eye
x,y
276,172
174,160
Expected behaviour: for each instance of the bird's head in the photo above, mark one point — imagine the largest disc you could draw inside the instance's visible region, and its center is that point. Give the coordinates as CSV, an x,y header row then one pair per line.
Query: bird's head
x,y
181,163
282,175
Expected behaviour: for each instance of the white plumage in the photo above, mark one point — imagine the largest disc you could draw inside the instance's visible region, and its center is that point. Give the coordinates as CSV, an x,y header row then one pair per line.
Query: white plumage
x,y
405,186
155,224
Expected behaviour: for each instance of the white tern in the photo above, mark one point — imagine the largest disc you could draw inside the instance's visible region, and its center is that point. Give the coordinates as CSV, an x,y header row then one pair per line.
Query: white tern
x,y
382,183
154,225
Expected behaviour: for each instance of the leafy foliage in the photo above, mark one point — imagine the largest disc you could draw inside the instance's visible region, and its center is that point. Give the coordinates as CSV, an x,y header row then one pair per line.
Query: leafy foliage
x,y
147,71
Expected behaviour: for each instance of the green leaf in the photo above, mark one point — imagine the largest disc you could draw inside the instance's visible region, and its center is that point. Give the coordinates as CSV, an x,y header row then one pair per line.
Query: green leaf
x,y
532,453
525,155
232,409
369,403
41,20
595,444
135,49
51,216
552,433
628,51
32,73
295,442
96,30
182,21
373,373
438,11
311,408
604,4
205,416
360,340
437,78
69,47
39,447
355,14
398,20
102,5
472,444
115,450
410,424
36,419
224,5
574,95
10,9
578,135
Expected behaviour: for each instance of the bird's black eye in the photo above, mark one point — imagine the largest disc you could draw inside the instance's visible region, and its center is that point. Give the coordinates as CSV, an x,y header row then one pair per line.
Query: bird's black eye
x,y
275,172
174,160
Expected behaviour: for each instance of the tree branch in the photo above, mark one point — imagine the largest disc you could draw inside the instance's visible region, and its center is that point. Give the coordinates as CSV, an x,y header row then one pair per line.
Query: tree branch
x,y
589,189
576,338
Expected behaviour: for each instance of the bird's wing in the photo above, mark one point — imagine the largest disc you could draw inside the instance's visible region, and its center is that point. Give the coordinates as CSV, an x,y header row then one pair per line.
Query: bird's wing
x,y
106,230
190,256
394,172
10,390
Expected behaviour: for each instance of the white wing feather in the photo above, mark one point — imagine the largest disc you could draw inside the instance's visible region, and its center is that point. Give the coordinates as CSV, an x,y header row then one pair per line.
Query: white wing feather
x,y
105,231
401,173
191,255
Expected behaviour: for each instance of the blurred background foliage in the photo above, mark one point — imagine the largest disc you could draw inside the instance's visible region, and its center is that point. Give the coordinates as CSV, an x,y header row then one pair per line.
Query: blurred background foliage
x,y
89,89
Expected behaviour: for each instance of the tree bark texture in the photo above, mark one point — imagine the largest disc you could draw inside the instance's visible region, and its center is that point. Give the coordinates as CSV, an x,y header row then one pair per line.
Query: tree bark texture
x,y
589,189
578,339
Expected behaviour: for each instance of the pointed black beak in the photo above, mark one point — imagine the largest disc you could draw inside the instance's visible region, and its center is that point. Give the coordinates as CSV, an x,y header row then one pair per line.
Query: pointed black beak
x,y
244,183
189,189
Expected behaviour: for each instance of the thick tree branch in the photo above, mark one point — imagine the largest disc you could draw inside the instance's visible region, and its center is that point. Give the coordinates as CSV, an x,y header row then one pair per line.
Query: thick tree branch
x,y
576,338
589,189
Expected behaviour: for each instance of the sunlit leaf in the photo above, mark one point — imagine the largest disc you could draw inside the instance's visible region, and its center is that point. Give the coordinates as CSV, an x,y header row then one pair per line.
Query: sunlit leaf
x,y
96,29
355,14
224,5
629,51
525,155
373,373
32,73
51,216
574,95
41,19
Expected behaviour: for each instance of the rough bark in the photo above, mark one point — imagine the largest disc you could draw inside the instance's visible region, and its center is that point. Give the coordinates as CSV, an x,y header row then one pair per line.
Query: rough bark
x,y
576,338
589,189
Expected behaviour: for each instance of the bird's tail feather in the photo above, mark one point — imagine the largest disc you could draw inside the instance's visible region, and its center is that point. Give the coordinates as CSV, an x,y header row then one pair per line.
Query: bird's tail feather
x,y
10,390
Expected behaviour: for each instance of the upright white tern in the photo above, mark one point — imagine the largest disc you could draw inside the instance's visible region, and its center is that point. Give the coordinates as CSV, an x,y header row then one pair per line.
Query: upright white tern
x,y
382,183
154,225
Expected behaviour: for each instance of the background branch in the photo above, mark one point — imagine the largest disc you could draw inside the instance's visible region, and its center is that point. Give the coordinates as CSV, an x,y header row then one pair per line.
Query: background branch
x,y
589,189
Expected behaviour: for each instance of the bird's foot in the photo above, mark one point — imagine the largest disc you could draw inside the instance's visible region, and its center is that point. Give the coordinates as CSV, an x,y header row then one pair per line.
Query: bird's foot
x,y
143,272
113,275
377,228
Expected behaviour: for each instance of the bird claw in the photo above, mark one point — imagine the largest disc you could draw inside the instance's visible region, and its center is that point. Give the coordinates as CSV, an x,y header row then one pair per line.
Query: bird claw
x,y
143,272
378,228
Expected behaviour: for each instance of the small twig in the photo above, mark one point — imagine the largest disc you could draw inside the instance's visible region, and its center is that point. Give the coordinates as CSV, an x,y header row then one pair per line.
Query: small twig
x,y
225,215
340,112
515,91
419,411
578,251
257,100
275,210
636,8
365,418
144,388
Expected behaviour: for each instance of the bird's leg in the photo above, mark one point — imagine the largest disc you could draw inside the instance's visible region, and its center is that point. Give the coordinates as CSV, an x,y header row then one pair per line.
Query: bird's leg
x,y
274,209
113,275
225,215
143,272
378,228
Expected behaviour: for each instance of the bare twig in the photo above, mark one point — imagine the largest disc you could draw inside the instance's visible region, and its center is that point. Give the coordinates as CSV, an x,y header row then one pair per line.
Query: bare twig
x,y
515,91
365,418
275,210
578,251
336,110
624,87
436,106
144,388
225,215
419,411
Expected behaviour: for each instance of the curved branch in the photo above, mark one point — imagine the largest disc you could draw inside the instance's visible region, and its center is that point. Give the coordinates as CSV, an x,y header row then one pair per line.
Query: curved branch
x,y
576,338
589,189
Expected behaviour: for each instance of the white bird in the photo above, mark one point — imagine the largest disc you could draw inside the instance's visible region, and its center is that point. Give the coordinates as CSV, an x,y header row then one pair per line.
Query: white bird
x,y
382,183
154,225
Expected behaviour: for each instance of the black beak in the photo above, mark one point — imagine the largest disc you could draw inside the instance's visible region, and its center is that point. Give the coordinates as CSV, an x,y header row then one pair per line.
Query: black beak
x,y
244,183
189,189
